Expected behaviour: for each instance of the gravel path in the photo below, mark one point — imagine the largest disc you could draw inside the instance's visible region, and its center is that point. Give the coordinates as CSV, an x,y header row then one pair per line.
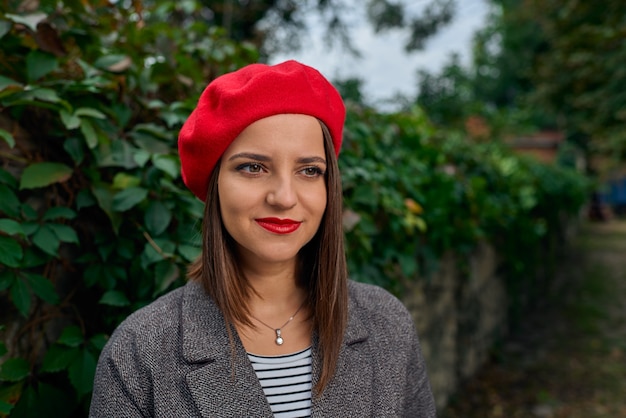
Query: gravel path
x,y
570,359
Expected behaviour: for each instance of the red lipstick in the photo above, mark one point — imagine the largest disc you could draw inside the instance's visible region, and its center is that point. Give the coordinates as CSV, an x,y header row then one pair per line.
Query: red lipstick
x,y
279,226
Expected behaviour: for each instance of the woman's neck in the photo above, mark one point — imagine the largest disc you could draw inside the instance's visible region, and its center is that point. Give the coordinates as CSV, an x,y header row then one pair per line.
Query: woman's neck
x,y
276,284
279,290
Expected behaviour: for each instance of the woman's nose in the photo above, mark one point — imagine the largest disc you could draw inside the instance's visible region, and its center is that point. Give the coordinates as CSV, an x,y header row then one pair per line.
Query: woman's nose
x,y
282,192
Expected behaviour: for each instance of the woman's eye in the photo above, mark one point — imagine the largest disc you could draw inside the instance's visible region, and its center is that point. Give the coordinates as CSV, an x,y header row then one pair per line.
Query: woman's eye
x,y
250,168
312,172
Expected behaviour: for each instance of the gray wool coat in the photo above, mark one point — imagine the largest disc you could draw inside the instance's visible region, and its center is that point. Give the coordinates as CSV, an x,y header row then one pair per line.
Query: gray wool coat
x,y
173,359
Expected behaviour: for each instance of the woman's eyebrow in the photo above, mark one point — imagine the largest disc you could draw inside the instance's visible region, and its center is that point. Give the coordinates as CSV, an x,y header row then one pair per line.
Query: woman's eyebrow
x,y
264,158
309,160
249,155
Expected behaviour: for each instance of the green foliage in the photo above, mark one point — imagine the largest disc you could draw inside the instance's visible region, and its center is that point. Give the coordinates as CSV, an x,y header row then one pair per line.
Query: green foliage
x,y
411,195
95,221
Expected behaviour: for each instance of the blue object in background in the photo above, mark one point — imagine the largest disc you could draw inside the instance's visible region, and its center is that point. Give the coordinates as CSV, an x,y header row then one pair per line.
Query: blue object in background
x,y
614,195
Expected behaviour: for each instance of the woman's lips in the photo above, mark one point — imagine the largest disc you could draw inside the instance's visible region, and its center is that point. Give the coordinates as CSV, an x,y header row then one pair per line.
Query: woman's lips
x,y
278,226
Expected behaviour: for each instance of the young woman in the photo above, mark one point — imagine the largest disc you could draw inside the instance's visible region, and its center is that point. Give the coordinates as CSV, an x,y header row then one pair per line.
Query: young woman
x,y
269,324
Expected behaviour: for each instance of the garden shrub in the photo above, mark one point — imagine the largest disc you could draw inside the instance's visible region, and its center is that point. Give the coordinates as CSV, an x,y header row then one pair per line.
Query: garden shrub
x,y
95,220
412,193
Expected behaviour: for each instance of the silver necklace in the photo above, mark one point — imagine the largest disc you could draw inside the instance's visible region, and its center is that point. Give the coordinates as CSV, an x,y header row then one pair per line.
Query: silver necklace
x,y
279,338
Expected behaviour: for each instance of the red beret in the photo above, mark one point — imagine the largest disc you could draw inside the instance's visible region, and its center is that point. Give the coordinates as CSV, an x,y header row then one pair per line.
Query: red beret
x,y
235,100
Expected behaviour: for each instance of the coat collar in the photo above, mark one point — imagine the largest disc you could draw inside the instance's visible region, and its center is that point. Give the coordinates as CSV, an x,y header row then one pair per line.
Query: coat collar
x,y
206,343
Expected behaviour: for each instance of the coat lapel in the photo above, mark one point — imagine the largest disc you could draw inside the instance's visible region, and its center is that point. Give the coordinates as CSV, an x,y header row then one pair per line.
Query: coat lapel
x,y
217,388
349,393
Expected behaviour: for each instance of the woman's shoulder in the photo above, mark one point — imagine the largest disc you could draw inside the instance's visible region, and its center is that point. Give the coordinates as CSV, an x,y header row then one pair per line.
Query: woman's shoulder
x,y
370,293
159,310
375,302
156,319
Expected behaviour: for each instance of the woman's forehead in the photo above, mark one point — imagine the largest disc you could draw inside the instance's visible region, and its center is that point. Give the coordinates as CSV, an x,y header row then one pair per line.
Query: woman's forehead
x,y
292,134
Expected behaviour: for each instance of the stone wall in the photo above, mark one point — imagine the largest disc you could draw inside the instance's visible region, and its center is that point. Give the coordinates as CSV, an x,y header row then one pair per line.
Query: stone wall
x,y
460,311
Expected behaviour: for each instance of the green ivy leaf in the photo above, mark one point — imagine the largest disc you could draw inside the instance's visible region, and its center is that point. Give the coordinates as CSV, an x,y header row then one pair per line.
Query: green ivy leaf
x,y
30,227
33,258
105,201
59,212
82,371
94,273
9,203
121,113
28,20
189,252
39,64
141,157
71,121
115,154
46,239
29,213
14,370
7,178
167,163
165,273
42,287
127,198
98,341
71,336
7,277
64,233
88,111
157,217
89,133
20,296
124,181
114,298
7,82
46,95
10,252
113,63
58,358
8,137
3,349
193,206
44,174
151,255
73,146
11,227
84,199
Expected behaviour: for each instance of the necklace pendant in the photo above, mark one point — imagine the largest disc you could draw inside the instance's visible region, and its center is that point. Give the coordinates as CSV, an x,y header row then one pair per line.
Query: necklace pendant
x,y
279,338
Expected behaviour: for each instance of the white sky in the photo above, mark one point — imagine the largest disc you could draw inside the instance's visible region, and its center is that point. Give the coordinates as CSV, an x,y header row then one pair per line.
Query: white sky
x,y
384,66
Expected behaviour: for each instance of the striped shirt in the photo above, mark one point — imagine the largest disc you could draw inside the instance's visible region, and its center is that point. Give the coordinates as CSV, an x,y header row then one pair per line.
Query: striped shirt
x,y
286,382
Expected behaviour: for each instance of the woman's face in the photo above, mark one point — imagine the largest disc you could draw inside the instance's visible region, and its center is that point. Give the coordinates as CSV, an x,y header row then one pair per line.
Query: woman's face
x,y
271,188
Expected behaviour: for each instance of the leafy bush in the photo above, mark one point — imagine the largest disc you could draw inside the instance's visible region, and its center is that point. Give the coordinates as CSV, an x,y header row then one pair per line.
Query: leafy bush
x,y
95,221
411,194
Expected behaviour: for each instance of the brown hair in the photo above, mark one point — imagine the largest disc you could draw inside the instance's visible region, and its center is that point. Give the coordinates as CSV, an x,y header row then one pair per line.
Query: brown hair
x,y
322,268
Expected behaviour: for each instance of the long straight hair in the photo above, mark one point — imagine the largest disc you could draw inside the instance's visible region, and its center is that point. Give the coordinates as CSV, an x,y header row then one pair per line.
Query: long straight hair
x,y
322,269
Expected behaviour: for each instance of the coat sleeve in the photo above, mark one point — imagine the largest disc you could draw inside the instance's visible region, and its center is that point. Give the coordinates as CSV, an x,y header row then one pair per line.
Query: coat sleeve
x,y
122,386
419,401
